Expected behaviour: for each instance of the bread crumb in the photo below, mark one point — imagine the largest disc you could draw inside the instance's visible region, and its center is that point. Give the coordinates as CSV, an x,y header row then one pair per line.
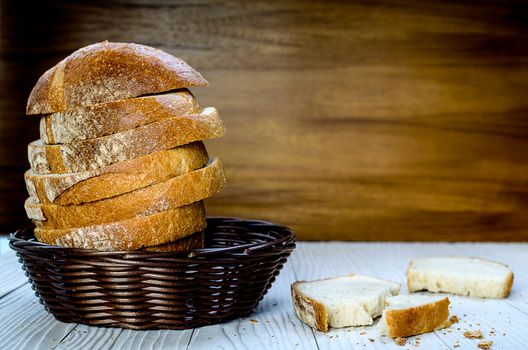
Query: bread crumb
x,y
454,319
371,340
485,344
473,334
362,333
253,321
456,345
400,341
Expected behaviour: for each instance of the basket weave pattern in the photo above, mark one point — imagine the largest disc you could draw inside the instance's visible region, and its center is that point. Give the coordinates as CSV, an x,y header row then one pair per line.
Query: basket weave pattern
x,y
159,290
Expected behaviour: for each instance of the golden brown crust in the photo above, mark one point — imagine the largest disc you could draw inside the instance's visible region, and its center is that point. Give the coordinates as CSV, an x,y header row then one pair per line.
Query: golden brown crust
x,y
115,116
194,241
175,192
115,179
419,319
131,234
108,71
508,285
318,314
96,153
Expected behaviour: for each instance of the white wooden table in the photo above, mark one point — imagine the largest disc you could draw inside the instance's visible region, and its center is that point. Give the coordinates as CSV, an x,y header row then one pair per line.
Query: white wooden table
x,y
25,325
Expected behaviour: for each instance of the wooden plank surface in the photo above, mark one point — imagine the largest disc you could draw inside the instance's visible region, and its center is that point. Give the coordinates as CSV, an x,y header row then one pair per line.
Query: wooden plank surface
x,y
385,120
25,325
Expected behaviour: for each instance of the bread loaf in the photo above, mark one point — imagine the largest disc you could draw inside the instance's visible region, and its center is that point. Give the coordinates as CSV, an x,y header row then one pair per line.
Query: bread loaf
x,y
115,179
111,117
95,153
173,193
194,241
108,71
131,234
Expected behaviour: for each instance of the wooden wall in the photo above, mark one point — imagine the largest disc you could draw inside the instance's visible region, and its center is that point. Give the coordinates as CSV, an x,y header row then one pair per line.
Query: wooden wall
x,y
360,120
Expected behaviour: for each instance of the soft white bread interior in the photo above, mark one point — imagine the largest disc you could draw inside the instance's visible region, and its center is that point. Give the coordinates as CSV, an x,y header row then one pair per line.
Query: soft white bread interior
x,y
342,301
407,315
460,275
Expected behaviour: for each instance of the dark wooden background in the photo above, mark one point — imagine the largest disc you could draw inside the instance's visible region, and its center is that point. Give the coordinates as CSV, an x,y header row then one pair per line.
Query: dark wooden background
x,y
361,120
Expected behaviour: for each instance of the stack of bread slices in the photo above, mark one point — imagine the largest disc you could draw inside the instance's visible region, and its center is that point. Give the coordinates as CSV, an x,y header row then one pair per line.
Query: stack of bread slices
x,y
120,163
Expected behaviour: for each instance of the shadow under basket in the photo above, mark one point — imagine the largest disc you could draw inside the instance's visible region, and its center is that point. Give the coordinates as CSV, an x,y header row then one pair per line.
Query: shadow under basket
x,y
159,290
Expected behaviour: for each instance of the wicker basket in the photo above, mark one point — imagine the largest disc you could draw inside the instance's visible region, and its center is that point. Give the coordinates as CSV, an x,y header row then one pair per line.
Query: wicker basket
x,y
159,290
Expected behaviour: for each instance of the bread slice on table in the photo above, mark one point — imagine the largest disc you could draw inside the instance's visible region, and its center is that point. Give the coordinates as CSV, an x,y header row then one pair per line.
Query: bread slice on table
x,y
115,179
342,301
109,71
460,275
194,241
131,234
95,153
407,315
175,192
115,116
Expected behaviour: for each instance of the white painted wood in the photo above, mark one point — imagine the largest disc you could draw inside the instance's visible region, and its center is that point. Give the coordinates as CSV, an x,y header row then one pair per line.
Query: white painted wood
x,y
25,325
159,340
11,274
84,337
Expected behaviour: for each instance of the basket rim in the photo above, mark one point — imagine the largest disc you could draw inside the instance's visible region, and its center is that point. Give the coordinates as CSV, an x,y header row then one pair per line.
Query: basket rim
x,y
286,237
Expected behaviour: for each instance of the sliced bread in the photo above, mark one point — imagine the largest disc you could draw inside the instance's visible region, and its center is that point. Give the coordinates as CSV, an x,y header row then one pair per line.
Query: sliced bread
x,y
460,275
108,71
194,241
115,179
131,234
175,192
111,117
342,301
407,315
95,153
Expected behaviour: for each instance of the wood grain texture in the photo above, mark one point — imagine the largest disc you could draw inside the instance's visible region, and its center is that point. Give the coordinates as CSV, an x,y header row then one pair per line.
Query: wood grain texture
x,y
386,120
25,325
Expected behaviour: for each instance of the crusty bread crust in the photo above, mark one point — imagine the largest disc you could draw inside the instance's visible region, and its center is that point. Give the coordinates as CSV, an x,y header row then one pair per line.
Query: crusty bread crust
x,y
108,71
95,153
115,116
131,234
419,319
508,285
309,310
194,241
115,179
175,192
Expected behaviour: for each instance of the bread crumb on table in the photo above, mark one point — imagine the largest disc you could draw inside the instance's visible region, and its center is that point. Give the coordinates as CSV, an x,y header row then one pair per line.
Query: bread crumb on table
x,y
485,344
253,321
400,341
477,334
454,319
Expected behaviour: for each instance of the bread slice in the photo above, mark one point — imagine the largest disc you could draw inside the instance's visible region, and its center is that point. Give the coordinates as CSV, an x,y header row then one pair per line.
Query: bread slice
x,y
111,117
115,179
342,301
407,315
95,153
194,241
175,192
109,71
460,275
131,234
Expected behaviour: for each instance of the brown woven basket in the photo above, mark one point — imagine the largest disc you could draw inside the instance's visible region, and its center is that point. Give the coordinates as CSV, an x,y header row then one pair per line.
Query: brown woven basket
x,y
159,290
